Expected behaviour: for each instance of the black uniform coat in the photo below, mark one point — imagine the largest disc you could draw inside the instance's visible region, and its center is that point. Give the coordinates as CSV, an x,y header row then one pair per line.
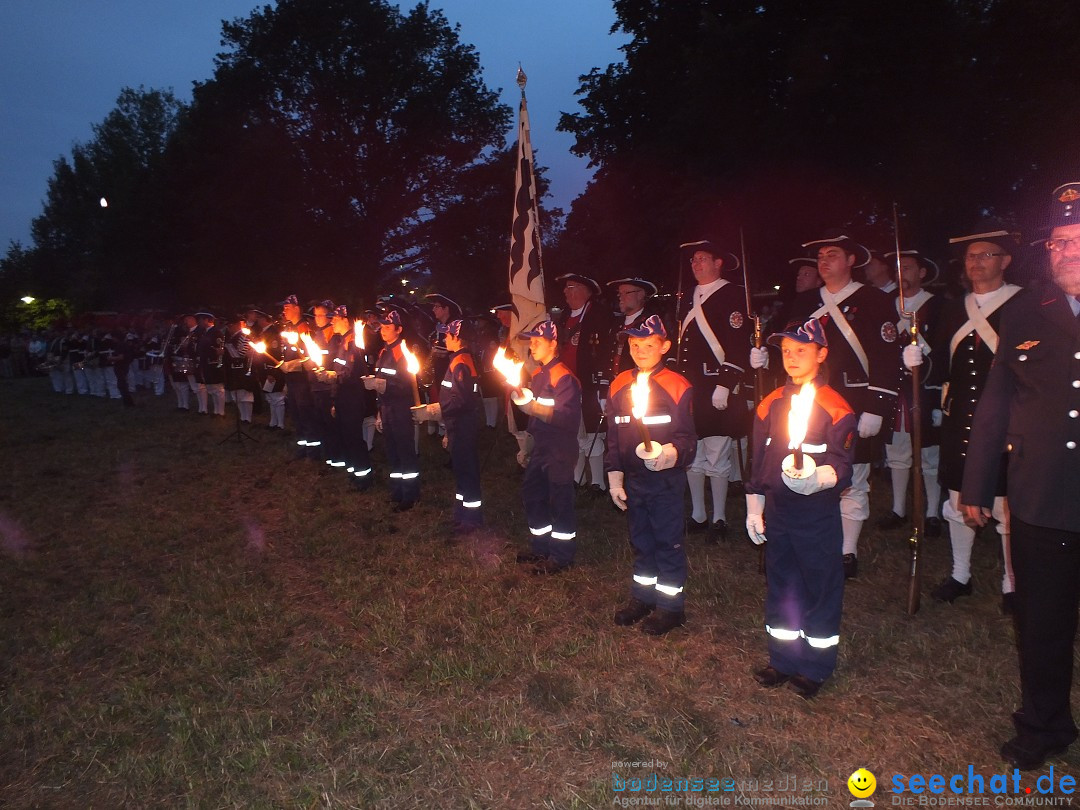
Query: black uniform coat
x,y
1031,407
592,337
725,310
872,316
963,376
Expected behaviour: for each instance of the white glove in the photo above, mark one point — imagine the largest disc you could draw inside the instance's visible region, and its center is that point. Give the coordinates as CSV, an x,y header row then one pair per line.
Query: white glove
x,y
665,461
434,411
869,425
525,398
759,358
603,406
936,416
913,355
755,520
719,397
823,478
420,415
369,383
615,489
289,366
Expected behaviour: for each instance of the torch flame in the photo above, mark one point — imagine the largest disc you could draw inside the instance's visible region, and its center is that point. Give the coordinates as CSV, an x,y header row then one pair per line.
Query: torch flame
x,y
639,396
313,351
259,347
799,416
510,369
245,330
291,337
412,365
358,333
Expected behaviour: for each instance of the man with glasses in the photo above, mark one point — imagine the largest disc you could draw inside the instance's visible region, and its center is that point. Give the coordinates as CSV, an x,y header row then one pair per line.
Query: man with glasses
x,y
1031,406
632,298
963,350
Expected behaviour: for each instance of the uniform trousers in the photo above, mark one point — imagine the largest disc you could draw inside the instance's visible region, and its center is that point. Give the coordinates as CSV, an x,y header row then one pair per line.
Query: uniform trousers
x,y
654,511
400,436
463,436
548,495
1047,564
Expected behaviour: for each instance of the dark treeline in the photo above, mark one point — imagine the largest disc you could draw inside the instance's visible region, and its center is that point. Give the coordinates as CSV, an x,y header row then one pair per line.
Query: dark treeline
x,y
786,117
342,143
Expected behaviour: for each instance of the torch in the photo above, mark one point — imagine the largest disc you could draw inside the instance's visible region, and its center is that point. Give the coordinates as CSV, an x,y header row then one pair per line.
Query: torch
x,y
639,406
510,369
796,465
313,351
358,334
412,365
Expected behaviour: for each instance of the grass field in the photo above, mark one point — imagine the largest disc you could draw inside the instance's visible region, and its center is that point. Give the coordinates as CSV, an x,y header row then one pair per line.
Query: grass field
x,y
186,623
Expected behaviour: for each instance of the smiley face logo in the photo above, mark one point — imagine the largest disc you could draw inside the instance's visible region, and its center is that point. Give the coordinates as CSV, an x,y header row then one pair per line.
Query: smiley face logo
x,y
862,783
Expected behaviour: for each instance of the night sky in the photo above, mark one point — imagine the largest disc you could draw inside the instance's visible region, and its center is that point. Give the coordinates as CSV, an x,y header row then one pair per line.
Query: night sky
x,y
64,62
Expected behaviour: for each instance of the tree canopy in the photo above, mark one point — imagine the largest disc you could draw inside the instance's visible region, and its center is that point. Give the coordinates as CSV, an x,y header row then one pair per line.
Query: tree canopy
x,y
786,117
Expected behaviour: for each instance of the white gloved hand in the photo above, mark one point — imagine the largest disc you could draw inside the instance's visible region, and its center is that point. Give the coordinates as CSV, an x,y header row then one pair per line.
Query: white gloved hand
x,y
369,383
603,406
869,425
913,355
936,416
720,397
759,358
665,461
824,477
755,520
380,385
434,412
419,415
525,398
615,489
289,366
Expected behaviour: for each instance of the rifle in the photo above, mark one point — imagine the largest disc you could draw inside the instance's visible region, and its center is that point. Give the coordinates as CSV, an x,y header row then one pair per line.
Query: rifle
x,y
759,374
678,301
918,506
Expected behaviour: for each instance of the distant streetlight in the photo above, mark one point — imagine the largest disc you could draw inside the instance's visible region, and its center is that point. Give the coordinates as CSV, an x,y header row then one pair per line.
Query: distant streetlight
x,y
103,203
28,299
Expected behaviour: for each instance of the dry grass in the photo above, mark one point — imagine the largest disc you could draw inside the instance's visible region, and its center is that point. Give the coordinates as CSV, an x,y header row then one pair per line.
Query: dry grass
x,y
188,623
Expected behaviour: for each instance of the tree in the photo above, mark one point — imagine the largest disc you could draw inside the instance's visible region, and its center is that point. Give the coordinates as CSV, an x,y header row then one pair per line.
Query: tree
x,y
112,254
784,118
333,136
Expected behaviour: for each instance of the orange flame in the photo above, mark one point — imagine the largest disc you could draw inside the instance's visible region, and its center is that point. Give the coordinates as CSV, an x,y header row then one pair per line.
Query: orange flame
x,y
292,338
412,365
260,347
799,416
639,396
314,353
358,332
510,369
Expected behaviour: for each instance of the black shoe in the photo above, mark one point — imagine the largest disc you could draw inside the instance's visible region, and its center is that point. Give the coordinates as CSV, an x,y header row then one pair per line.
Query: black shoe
x,y
851,566
770,676
933,527
892,521
530,559
404,506
950,590
549,567
1028,753
804,687
1008,604
633,611
693,527
661,621
717,532
736,489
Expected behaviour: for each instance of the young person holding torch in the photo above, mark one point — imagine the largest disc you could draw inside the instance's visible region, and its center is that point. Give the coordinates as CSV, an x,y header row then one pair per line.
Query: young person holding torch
x,y
804,435
651,442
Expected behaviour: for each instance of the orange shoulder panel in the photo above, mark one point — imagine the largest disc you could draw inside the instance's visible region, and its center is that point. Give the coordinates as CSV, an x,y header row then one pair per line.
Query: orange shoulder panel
x,y
624,379
558,371
835,405
467,360
765,404
674,383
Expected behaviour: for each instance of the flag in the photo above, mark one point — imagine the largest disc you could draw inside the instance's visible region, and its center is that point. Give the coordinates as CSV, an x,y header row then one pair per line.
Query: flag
x,y
526,268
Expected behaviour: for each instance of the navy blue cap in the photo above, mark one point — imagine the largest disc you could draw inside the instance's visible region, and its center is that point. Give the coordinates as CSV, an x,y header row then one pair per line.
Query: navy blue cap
x,y
390,318
290,301
452,328
341,311
810,332
652,325
544,329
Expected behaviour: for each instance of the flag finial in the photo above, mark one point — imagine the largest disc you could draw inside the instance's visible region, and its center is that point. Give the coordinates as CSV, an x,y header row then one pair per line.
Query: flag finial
x,y
522,79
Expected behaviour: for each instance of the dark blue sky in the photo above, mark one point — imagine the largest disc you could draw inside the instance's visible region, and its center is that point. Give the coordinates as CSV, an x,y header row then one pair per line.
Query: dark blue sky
x,y
63,63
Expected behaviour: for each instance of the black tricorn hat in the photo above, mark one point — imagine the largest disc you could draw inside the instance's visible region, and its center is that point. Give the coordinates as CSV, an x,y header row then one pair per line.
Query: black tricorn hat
x,y
989,230
932,269
730,260
837,236
580,279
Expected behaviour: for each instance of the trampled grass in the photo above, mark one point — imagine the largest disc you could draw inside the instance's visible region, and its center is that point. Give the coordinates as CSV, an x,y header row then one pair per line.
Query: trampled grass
x,y
190,623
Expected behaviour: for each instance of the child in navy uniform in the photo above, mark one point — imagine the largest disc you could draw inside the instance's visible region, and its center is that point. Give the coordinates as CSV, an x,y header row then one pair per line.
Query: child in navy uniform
x,y
649,486
800,510
553,404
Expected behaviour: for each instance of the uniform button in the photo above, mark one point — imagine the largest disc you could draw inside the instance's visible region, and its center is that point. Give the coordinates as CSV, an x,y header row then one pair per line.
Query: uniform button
x,y
1073,414
1022,358
1076,356
1076,383
1071,445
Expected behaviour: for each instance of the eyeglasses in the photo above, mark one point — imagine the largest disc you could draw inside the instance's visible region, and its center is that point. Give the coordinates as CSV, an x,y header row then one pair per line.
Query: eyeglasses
x,y
987,255
1058,245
